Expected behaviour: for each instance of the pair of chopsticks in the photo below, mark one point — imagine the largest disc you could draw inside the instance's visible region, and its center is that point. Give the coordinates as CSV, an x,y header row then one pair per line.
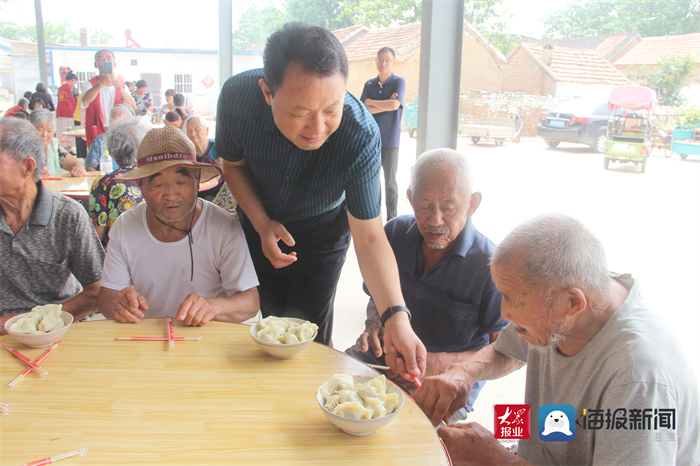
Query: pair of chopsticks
x,y
386,368
171,338
53,459
33,365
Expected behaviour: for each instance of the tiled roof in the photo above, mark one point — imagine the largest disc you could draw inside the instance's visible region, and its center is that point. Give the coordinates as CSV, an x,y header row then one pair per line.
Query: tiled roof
x,y
401,39
651,49
604,44
580,65
348,33
610,43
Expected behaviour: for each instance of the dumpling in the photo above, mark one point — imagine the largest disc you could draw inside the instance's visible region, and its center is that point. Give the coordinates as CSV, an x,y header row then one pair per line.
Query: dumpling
x,y
51,323
269,334
289,338
331,402
353,410
307,331
25,326
377,407
338,382
347,396
49,309
391,402
367,391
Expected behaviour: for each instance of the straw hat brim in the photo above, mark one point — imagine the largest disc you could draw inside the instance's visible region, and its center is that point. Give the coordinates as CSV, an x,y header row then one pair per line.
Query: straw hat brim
x,y
208,171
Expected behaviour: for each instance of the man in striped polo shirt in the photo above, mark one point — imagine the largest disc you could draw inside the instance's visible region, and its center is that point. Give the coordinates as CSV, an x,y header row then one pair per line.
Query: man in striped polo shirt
x,y
302,158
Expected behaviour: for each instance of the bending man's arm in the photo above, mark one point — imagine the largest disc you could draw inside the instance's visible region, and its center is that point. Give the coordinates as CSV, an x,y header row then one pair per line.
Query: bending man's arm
x,y
442,395
240,181
84,303
405,353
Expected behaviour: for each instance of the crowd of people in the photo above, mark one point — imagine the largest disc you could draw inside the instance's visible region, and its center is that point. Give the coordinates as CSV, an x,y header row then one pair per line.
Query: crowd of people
x,y
302,158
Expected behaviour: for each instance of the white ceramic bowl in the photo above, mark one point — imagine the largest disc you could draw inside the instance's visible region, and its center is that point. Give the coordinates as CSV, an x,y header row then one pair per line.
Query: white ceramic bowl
x,y
40,340
281,351
362,427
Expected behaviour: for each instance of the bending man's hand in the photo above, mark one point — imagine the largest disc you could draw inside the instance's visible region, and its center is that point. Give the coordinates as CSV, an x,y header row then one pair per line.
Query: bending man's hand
x,y
127,306
371,337
472,443
440,396
271,233
405,353
196,311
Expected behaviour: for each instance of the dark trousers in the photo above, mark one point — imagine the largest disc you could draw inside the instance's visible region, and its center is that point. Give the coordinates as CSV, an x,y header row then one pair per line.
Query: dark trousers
x,y
80,145
390,163
306,288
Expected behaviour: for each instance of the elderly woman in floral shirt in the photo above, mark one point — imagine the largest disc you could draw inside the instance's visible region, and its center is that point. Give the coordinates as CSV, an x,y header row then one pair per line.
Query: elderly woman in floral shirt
x,y
110,196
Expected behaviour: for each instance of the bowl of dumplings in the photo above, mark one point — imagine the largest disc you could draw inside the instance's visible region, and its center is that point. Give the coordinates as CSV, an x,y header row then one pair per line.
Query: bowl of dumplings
x,y
283,338
41,326
359,405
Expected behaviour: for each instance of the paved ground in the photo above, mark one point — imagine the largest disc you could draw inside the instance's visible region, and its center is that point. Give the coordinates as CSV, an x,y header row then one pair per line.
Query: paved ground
x,y
649,223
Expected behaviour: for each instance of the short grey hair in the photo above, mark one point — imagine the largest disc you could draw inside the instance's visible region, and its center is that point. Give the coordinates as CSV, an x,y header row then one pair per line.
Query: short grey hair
x,y
200,118
22,102
19,140
556,252
41,117
123,139
120,109
439,160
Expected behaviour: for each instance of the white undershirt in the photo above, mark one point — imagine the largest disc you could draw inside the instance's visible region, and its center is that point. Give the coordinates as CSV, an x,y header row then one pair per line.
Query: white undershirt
x,y
107,95
160,272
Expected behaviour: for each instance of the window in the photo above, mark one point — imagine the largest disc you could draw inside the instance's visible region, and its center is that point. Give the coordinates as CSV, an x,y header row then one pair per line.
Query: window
x,y
134,62
183,83
85,75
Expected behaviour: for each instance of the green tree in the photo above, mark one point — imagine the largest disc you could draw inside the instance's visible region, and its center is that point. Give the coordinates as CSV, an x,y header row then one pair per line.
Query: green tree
x,y
648,17
668,78
380,13
256,24
331,14
61,33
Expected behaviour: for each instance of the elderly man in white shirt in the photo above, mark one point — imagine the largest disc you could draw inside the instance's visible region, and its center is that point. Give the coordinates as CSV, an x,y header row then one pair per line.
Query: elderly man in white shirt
x,y
176,254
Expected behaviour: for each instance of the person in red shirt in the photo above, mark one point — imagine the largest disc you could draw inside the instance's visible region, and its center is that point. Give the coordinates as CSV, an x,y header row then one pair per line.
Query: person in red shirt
x,y
101,93
66,104
22,104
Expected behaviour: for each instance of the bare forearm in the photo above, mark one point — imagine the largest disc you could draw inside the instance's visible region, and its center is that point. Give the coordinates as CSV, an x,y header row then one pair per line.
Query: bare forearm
x,y
84,303
127,98
91,94
377,263
240,181
104,301
487,364
439,362
386,105
237,308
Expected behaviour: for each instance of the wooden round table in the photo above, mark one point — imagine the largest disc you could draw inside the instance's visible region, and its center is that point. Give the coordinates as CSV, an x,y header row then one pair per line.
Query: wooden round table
x,y
220,400
75,187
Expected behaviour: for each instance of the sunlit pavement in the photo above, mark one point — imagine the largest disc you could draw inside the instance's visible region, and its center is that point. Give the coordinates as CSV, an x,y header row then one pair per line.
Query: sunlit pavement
x,y
649,224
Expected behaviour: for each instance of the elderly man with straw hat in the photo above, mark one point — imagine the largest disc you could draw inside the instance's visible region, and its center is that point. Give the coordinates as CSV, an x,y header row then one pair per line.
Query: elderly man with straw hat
x,y
176,255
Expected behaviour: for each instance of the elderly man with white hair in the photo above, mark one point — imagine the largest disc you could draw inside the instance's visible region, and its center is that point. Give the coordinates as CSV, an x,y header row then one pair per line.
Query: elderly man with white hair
x,y
593,347
92,162
444,269
49,252
197,130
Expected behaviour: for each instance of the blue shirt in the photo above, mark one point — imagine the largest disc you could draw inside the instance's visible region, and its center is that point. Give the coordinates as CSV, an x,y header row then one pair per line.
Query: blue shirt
x,y
95,152
294,184
455,304
389,122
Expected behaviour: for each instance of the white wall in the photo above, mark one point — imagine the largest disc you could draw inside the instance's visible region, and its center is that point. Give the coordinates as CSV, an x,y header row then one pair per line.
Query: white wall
x,y
166,62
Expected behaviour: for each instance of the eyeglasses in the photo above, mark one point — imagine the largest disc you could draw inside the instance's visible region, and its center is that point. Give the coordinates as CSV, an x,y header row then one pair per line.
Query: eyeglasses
x,y
384,60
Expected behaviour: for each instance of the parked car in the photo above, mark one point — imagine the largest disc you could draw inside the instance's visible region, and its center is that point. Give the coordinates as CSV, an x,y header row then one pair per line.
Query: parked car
x,y
582,121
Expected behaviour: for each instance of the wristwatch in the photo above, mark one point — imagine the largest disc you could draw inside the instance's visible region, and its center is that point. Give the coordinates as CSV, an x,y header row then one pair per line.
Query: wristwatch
x,y
391,311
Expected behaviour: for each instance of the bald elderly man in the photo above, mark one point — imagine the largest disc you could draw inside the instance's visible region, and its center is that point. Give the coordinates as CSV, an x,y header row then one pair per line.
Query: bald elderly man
x,y
590,341
444,269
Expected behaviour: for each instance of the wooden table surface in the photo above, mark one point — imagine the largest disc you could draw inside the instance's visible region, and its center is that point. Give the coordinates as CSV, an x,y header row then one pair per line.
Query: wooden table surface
x,y
76,187
69,134
218,401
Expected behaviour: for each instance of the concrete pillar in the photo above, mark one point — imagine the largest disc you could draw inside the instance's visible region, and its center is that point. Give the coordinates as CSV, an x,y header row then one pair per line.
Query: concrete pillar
x,y
41,44
440,73
225,41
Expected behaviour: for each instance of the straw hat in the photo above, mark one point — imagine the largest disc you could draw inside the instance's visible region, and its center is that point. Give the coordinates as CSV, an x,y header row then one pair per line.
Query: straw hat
x,y
167,147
